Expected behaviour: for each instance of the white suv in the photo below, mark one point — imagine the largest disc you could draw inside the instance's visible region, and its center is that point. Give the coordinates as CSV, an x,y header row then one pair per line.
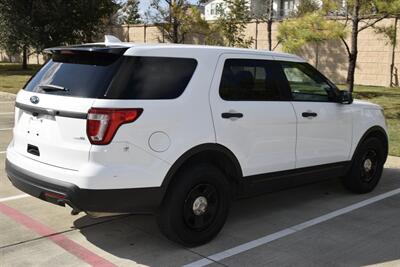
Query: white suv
x,y
180,130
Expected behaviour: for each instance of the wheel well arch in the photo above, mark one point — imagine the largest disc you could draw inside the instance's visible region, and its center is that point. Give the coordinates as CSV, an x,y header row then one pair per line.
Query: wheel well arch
x,y
217,154
375,131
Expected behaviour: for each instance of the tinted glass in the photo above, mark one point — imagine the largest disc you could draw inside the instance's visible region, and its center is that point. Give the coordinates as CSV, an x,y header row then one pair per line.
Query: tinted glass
x,y
248,80
81,74
151,78
306,83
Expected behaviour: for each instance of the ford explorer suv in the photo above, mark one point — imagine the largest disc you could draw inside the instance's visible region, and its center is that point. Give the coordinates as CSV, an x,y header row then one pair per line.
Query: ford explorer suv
x,y
181,130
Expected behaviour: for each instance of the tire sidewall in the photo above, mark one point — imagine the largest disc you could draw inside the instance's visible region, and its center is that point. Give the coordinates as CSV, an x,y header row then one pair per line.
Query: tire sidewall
x,y
354,181
186,180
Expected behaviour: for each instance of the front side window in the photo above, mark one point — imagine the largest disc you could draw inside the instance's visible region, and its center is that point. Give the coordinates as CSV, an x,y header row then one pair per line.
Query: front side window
x,y
307,84
248,80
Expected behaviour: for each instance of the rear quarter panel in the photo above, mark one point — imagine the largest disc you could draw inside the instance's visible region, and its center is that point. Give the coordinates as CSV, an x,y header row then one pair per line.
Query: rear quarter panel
x,y
186,120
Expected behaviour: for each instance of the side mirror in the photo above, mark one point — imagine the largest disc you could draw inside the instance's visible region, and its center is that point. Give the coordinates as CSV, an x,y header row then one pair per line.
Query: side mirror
x,y
345,97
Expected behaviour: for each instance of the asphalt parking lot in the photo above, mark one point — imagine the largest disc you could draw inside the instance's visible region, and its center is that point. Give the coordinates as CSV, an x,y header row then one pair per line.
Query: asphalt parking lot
x,y
315,225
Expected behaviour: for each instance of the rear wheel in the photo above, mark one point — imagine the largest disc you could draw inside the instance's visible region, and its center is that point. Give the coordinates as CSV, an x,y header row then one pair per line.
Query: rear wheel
x,y
367,167
196,205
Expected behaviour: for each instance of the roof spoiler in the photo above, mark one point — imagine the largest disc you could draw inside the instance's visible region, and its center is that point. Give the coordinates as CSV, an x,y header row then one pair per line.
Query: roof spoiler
x,y
111,45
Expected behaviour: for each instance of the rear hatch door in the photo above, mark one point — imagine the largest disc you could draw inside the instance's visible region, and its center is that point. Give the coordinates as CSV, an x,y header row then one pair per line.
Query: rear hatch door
x,y
51,110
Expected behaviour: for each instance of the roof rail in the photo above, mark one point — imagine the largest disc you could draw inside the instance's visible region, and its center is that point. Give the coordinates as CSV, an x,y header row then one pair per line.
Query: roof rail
x,y
111,39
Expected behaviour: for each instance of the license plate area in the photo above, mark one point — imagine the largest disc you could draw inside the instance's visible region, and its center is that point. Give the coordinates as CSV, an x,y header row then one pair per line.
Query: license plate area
x,y
34,126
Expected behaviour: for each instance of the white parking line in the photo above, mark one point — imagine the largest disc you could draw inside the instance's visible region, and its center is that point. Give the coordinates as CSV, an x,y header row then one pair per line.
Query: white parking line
x,y
6,113
288,231
5,129
3,152
4,199
7,102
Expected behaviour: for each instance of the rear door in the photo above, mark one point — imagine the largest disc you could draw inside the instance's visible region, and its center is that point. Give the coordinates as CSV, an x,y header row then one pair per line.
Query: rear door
x,y
324,128
50,118
251,115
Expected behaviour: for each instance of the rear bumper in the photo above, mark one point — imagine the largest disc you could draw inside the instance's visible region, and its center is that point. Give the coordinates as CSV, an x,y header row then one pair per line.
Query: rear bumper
x,y
136,200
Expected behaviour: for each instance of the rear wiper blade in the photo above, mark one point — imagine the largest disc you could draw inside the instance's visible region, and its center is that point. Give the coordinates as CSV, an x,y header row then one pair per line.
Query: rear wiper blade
x,y
51,87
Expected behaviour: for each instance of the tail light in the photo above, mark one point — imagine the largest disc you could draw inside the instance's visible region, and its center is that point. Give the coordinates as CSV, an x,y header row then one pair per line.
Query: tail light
x,y
103,123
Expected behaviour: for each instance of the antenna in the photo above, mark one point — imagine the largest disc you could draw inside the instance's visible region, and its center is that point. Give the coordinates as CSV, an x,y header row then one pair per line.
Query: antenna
x,y
111,39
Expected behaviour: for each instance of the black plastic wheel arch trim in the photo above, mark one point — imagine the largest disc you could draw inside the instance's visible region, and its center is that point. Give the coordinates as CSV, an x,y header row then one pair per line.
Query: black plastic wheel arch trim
x,y
365,136
208,147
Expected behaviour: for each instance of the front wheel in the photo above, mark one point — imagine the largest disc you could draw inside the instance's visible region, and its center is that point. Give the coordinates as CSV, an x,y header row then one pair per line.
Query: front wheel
x,y
196,205
367,167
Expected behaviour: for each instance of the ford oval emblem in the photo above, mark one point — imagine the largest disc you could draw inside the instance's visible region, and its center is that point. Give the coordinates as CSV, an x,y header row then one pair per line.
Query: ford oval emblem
x,y
34,99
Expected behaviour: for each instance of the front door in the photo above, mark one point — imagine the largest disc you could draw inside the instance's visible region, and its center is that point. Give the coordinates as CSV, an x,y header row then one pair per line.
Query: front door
x,y
324,127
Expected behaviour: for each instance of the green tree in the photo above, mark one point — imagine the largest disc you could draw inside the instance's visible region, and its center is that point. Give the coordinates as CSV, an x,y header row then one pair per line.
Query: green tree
x,y
361,15
305,7
263,11
177,18
312,28
131,12
232,23
35,24
390,34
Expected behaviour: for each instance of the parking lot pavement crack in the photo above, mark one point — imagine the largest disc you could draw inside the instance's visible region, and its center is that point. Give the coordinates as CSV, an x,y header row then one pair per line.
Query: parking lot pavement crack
x,y
60,233
205,258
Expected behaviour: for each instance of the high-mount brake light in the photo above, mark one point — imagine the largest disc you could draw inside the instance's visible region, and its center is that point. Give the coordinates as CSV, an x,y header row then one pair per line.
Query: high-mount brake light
x,y
103,123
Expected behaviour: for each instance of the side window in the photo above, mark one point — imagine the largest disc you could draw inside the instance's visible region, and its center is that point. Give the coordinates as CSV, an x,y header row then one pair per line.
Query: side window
x,y
151,78
307,84
248,80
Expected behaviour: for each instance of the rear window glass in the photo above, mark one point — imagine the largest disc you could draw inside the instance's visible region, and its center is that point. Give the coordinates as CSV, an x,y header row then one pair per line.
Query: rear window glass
x,y
151,78
111,76
79,75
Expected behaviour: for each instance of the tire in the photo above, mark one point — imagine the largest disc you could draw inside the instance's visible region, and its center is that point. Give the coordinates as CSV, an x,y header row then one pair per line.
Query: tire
x,y
367,167
185,217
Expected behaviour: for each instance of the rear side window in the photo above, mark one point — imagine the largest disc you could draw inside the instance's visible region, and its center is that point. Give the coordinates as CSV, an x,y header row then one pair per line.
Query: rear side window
x,y
83,74
248,80
151,78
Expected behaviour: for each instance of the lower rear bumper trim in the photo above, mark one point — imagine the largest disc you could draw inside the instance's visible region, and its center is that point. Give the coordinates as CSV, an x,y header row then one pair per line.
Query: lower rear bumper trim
x,y
132,200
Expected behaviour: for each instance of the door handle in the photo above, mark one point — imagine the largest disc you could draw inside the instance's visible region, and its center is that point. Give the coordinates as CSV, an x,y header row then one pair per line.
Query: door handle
x,y
228,115
309,114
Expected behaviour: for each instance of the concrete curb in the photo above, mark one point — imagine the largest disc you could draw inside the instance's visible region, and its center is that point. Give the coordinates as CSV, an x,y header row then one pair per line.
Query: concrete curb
x,y
393,162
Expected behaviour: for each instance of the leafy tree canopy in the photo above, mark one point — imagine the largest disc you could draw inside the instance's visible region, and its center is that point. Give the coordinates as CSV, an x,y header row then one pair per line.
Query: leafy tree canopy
x,y
130,12
305,7
176,19
38,24
233,22
311,28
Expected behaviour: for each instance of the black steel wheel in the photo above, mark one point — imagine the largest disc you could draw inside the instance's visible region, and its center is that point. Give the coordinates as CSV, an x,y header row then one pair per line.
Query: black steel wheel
x,y
196,205
367,166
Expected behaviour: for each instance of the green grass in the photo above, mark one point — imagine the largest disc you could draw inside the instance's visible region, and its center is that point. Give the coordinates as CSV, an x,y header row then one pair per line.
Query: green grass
x,y
13,78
